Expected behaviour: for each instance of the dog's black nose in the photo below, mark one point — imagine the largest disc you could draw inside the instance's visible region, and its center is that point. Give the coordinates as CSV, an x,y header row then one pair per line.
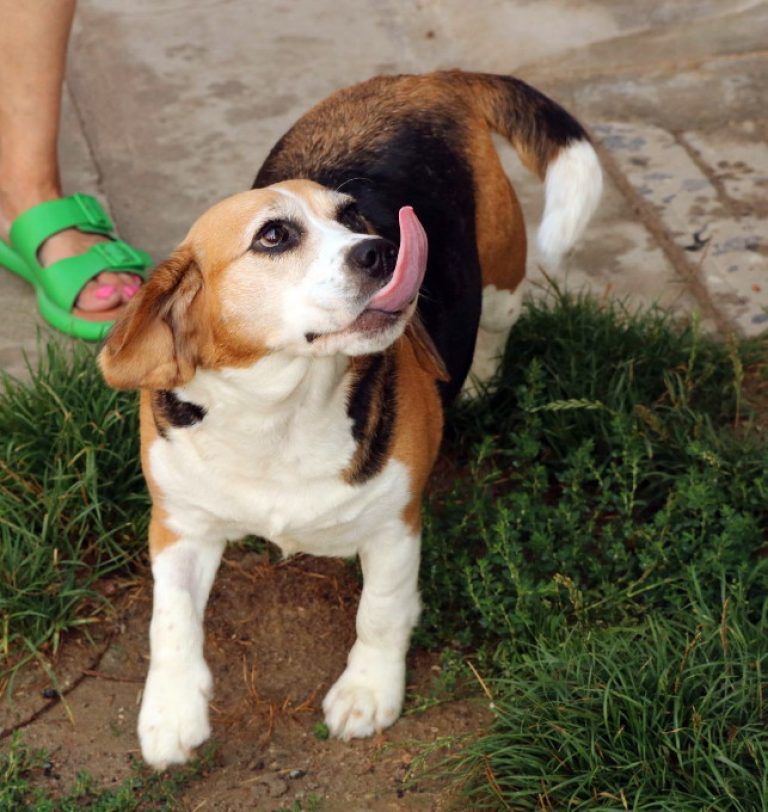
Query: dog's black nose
x,y
375,257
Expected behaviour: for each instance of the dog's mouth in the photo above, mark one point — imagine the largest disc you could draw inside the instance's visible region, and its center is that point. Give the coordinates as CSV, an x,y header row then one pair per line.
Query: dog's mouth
x,y
372,320
394,300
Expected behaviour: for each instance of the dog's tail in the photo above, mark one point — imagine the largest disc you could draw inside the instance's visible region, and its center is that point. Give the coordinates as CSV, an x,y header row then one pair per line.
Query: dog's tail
x,y
551,143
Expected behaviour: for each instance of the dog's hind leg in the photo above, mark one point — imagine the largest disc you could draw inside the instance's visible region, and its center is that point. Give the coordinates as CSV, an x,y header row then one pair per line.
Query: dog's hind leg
x,y
174,711
501,309
501,246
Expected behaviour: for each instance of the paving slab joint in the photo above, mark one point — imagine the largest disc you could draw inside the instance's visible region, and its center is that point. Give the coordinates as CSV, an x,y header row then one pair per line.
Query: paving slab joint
x,y
737,208
688,272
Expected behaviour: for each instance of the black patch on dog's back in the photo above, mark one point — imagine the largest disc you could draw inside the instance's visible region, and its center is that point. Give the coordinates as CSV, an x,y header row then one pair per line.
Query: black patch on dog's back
x,y
169,410
421,163
539,120
372,406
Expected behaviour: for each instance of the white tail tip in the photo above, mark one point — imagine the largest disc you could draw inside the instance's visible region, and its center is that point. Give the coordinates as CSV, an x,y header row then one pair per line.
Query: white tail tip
x,y
572,189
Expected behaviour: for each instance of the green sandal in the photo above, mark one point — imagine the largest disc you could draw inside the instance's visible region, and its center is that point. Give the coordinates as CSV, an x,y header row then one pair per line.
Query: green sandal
x,y
58,285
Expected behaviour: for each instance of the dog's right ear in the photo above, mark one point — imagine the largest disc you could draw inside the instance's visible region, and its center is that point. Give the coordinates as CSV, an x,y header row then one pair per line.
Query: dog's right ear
x,y
425,350
156,342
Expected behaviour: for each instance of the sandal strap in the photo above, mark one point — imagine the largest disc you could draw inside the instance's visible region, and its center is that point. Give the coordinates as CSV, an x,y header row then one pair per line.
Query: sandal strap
x,y
34,226
63,280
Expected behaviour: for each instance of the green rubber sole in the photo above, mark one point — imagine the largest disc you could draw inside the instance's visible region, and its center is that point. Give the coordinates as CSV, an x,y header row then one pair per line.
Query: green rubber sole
x,y
62,320
11,260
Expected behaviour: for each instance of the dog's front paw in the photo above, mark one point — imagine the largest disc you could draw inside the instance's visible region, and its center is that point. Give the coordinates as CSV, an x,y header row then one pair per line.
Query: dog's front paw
x,y
174,714
366,698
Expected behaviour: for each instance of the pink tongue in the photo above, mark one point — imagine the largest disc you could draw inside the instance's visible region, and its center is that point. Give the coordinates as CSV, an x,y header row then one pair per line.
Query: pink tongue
x,y
409,269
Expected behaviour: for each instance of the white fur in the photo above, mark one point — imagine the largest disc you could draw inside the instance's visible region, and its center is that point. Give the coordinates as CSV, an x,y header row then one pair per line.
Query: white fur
x,y
500,310
174,711
312,291
369,694
327,290
268,459
572,189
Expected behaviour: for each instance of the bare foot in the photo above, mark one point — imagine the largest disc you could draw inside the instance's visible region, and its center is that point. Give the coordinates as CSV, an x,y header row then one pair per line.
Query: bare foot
x,y
106,290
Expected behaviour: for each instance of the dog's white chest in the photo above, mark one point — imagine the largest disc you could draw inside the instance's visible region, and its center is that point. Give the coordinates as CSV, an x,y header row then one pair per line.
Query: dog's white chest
x,y
247,470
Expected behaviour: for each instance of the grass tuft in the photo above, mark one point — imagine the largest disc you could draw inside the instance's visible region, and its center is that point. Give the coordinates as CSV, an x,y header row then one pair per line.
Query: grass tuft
x,y
664,714
72,501
602,467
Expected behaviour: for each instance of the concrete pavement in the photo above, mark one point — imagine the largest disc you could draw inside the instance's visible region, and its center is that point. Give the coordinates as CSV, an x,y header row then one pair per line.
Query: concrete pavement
x,y
173,104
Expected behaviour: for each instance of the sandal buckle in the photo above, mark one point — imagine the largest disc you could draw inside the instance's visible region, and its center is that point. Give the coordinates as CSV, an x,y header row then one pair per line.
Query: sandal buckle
x,y
118,254
93,211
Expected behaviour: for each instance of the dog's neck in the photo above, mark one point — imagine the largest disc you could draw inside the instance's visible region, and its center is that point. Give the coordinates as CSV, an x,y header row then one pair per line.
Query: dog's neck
x,y
276,385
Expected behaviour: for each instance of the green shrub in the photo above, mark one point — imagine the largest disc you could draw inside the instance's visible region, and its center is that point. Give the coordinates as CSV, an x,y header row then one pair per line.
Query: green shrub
x,y
590,491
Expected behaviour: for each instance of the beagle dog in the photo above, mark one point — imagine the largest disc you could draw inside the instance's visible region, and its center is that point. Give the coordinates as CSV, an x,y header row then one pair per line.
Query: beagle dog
x,y
294,355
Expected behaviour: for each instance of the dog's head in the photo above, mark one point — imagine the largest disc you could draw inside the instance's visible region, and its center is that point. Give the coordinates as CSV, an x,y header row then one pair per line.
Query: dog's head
x,y
292,267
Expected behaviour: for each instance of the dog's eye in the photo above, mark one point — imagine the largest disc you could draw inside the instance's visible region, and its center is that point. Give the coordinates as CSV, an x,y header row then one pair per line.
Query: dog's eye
x,y
351,218
273,235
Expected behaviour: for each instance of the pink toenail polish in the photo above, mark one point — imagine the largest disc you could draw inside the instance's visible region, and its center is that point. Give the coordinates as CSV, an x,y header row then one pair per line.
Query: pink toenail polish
x,y
104,291
129,290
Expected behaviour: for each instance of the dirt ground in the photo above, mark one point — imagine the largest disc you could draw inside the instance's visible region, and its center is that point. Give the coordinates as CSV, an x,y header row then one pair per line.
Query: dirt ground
x,y
277,637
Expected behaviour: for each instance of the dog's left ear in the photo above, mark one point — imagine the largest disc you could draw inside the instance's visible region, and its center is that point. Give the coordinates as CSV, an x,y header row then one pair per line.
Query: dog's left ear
x,y
155,343
425,350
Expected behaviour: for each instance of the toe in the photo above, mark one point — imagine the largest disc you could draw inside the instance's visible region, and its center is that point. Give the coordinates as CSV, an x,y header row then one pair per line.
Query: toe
x,y
107,290
129,279
130,286
96,296
109,278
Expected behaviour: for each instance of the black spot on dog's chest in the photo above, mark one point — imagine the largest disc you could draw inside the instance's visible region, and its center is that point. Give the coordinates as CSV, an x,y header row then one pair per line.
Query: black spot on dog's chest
x,y
358,406
169,410
372,408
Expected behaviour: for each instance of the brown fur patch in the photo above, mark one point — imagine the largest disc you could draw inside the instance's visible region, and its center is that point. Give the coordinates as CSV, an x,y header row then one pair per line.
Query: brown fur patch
x,y
537,126
425,351
419,425
399,409
355,120
500,229
160,536
155,345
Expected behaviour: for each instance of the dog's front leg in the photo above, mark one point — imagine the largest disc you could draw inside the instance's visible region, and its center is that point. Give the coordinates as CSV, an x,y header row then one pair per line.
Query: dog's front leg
x,y
369,694
174,711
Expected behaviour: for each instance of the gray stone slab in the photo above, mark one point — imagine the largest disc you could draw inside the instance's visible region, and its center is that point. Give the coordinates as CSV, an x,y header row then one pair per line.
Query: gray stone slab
x,y
712,94
503,35
729,31
728,250
737,160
